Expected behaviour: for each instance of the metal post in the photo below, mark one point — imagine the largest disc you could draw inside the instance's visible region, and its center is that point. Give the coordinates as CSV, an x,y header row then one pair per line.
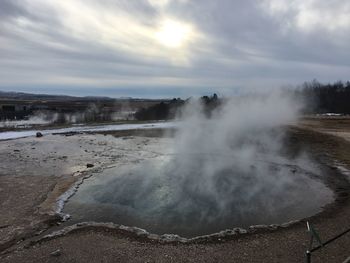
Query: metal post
x,y
308,256
314,234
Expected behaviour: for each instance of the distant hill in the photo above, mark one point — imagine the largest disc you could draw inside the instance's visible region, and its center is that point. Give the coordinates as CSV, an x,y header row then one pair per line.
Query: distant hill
x,y
19,105
29,96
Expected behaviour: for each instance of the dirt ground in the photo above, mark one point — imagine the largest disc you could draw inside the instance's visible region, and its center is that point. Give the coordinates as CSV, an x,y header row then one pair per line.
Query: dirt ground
x,y
30,182
339,126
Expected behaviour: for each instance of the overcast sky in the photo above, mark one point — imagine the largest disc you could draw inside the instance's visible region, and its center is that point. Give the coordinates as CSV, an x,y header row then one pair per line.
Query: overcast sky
x,y
167,48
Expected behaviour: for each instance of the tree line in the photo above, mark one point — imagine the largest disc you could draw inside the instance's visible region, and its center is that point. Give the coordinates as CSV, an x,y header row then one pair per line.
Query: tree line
x,y
169,110
319,99
325,98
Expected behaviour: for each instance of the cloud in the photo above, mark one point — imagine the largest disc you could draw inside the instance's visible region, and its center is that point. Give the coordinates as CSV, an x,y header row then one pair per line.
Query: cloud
x,y
219,45
311,15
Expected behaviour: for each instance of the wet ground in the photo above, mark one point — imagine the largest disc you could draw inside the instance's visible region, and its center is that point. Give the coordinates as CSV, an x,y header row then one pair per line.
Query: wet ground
x,y
35,171
15,134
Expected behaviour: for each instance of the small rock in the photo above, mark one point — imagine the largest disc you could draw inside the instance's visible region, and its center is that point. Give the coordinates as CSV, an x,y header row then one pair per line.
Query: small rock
x,y
89,165
39,134
56,253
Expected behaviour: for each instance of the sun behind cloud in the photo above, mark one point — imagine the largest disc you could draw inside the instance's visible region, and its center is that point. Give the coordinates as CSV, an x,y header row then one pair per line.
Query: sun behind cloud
x,y
173,34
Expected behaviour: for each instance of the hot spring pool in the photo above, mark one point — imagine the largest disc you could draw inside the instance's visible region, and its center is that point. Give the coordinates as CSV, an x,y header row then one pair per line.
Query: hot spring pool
x,y
194,195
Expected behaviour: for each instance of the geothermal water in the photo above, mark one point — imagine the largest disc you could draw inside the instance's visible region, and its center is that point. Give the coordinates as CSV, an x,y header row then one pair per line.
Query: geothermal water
x,y
153,195
228,170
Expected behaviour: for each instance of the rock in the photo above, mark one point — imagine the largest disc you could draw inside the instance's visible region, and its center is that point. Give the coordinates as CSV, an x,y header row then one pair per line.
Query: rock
x,y
71,133
56,253
39,134
89,165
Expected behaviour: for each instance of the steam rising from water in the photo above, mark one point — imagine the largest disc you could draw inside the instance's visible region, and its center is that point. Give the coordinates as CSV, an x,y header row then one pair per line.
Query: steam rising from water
x,y
242,128
222,172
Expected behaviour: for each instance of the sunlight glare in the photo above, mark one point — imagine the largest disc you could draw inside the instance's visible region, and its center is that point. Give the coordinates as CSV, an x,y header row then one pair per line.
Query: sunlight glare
x,y
173,34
